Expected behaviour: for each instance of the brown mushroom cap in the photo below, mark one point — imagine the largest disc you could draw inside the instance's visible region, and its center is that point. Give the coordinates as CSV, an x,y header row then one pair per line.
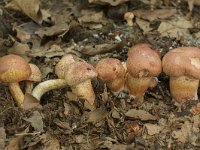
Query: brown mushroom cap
x,y
143,61
14,68
109,69
79,72
182,61
64,62
36,75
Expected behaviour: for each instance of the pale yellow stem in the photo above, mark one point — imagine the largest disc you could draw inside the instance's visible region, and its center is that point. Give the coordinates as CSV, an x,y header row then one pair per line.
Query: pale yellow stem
x,y
183,88
17,93
85,91
48,85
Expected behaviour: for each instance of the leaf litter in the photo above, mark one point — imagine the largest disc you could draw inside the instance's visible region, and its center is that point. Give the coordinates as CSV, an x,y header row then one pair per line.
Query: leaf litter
x,y
44,31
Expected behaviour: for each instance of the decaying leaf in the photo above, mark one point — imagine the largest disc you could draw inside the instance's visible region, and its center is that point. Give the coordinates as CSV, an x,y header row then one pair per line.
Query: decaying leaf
x,y
153,15
25,31
50,142
140,114
30,102
14,144
176,27
55,30
2,137
97,115
144,25
111,2
31,8
152,128
36,121
98,49
184,134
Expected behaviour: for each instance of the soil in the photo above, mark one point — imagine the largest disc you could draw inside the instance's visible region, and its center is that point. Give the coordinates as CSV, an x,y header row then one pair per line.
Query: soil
x,y
118,122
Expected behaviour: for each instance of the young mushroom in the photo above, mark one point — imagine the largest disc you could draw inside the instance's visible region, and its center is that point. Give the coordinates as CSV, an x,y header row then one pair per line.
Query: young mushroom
x,y
182,65
112,72
143,65
14,69
128,16
36,76
59,83
78,76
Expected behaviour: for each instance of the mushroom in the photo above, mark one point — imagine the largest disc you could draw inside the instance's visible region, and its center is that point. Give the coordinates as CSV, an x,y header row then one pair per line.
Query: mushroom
x,y
60,68
78,76
14,69
36,76
112,72
64,62
182,65
143,65
128,16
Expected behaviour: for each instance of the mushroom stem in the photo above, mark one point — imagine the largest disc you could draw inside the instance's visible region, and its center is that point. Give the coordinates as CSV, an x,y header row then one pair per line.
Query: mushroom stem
x,y
138,86
48,85
29,87
85,91
17,93
116,85
184,88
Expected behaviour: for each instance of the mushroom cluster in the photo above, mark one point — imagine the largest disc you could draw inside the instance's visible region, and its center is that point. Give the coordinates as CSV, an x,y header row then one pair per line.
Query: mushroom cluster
x,y
135,76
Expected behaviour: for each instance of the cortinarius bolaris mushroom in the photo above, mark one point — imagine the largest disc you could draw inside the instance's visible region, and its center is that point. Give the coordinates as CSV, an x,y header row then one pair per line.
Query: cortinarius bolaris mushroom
x,y
60,69
14,69
36,76
112,72
78,76
143,64
183,66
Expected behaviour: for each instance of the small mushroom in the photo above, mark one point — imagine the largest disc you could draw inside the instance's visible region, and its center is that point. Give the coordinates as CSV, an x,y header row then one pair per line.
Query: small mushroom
x,y
78,76
112,72
143,65
182,65
59,83
128,16
36,76
14,69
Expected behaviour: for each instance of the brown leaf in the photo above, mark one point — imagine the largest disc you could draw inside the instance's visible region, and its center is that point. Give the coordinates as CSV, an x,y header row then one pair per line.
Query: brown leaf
x,y
156,14
2,137
30,102
31,8
140,114
111,2
14,144
97,115
152,128
36,121
50,142
98,49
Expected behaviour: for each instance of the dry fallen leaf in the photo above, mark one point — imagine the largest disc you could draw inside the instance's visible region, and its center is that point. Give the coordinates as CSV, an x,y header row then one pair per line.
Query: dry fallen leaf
x,y
144,25
152,128
176,27
31,8
156,14
30,102
97,115
36,121
50,142
2,137
14,144
111,2
140,114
